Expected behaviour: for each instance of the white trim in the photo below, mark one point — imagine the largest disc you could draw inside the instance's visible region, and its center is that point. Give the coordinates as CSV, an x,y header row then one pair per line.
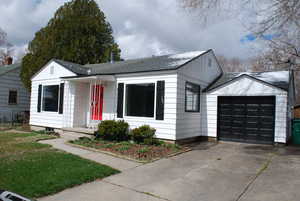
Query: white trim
x,y
124,102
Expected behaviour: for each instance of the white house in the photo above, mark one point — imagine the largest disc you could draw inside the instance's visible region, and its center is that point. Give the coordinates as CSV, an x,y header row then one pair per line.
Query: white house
x,y
14,98
166,92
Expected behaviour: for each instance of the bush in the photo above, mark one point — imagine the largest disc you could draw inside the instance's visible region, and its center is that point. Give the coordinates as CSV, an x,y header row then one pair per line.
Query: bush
x,y
144,135
113,130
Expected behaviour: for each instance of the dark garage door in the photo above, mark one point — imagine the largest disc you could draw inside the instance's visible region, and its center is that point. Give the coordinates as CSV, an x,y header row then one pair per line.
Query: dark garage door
x,y
246,119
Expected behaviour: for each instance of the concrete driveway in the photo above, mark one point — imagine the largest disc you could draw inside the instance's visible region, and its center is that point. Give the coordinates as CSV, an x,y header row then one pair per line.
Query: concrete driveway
x,y
212,172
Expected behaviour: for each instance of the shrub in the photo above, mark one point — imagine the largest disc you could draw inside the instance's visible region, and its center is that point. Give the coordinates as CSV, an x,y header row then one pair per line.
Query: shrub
x,y
113,130
143,134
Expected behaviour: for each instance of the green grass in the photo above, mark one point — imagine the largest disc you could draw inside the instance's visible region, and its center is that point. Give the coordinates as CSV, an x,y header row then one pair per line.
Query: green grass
x,y
34,170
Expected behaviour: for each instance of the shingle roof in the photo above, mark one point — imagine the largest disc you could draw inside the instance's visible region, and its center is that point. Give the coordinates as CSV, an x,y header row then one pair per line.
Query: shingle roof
x,y
75,68
280,79
7,68
156,63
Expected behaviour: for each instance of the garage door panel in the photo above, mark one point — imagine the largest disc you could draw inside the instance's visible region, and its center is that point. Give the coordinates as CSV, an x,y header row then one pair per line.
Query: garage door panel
x,y
246,119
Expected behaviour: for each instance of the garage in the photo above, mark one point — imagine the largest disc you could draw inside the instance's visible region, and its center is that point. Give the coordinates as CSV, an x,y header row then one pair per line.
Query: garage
x,y
248,119
249,107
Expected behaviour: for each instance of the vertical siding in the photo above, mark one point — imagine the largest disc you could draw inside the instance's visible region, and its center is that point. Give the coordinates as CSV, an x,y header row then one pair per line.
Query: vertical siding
x,y
12,81
52,119
165,129
246,87
198,72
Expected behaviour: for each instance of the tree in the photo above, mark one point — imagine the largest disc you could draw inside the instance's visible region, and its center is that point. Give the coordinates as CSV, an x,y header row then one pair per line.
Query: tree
x,y
6,49
78,33
277,19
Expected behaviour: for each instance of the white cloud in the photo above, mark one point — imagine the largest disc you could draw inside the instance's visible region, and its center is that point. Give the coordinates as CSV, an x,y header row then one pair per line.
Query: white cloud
x,y
141,27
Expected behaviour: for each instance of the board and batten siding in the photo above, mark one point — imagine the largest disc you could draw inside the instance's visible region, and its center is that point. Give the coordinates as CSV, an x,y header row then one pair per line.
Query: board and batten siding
x,y
245,86
198,72
165,129
45,77
12,81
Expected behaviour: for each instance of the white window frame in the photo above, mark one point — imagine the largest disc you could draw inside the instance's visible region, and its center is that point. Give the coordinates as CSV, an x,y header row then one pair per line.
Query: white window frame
x,y
124,101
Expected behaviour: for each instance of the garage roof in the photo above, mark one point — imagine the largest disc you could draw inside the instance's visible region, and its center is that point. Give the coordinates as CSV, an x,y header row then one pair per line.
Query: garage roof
x,y
279,79
155,63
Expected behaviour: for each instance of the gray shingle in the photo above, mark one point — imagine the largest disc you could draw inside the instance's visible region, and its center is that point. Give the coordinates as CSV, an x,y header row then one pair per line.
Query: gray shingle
x,y
157,63
7,68
278,79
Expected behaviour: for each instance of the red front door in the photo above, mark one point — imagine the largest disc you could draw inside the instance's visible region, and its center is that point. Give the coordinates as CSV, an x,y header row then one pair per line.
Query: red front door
x,y
97,102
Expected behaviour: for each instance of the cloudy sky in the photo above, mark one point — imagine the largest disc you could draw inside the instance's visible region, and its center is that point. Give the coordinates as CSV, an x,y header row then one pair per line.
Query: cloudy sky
x,y
141,27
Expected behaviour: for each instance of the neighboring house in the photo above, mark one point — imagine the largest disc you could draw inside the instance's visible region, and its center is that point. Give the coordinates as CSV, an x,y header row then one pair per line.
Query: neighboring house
x,y
165,92
297,111
14,98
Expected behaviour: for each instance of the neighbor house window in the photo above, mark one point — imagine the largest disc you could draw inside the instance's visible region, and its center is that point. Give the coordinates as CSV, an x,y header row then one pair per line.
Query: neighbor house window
x,y
140,100
192,97
12,97
50,98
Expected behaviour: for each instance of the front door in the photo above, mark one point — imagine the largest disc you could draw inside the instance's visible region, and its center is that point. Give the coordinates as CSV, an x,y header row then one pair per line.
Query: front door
x,y
97,102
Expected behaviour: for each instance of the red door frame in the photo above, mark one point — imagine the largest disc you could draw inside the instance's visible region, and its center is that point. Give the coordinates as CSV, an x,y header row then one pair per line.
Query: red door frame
x,y
97,102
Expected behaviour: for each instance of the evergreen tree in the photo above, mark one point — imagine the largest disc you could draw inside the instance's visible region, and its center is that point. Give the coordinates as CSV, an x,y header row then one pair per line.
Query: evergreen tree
x,y
78,32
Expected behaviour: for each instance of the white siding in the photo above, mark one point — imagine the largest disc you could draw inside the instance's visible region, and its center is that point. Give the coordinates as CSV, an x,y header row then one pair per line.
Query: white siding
x,y
245,87
165,129
109,101
52,119
198,72
81,104
11,81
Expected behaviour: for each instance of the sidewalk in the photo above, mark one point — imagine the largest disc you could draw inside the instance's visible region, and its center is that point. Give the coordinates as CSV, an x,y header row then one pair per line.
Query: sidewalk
x,y
117,163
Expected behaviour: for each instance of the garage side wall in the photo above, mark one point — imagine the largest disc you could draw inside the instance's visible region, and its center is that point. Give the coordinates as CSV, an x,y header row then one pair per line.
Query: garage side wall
x,y
245,87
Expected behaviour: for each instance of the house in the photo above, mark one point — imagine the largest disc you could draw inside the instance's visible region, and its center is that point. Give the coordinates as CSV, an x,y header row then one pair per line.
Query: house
x,y
296,111
175,94
14,98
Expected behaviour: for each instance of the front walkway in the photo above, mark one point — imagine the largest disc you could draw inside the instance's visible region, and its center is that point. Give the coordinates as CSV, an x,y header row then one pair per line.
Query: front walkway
x,y
117,163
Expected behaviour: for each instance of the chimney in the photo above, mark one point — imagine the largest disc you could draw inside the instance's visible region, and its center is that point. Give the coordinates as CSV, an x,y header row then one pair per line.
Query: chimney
x,y
8,61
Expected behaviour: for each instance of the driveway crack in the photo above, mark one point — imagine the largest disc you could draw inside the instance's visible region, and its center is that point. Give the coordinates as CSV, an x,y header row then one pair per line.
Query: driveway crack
x,y
132,189
261,170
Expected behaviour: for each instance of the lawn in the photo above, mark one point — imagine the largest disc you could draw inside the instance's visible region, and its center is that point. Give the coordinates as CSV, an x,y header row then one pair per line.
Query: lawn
x,y
34,170
140,152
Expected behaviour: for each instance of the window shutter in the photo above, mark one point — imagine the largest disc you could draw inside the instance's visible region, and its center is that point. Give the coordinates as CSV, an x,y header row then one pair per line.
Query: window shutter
x,y
120,100
61,98
160,100
39,98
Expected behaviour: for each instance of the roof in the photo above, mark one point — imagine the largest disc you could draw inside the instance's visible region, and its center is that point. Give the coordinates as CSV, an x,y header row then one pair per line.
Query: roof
x,y
75,68
7,68
155,63
279,79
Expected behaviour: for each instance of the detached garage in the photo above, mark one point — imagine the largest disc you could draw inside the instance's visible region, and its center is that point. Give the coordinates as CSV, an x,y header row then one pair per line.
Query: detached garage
x,y
250,107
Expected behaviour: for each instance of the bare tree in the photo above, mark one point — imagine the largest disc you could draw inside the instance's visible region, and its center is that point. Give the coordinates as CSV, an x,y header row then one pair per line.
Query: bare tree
x,y
278,19
6,49
232,64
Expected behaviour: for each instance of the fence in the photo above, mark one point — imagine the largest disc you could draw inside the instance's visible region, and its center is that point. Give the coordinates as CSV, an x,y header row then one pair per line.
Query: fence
x,y
10,119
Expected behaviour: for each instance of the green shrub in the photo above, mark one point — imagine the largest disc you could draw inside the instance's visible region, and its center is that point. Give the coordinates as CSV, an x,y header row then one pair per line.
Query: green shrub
x,y
143,135
113,130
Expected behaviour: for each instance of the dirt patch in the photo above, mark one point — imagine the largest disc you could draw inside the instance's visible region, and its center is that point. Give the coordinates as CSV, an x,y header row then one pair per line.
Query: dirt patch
x,y
132,150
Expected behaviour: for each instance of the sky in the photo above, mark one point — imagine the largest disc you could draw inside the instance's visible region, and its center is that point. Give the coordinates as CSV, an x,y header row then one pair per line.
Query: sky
x,y
142,28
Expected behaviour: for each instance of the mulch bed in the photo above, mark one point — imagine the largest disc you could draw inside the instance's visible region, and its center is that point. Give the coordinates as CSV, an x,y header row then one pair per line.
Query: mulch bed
x,y
135,151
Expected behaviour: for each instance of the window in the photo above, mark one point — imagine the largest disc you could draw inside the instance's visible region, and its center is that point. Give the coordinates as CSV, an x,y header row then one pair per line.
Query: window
x,y
209,62
12,97
192,97
140,100
50,98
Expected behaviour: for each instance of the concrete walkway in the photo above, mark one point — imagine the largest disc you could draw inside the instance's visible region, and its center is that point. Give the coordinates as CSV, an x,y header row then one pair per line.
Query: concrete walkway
x,y
117,163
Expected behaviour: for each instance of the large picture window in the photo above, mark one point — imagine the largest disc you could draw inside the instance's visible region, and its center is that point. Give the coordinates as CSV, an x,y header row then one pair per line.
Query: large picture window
x,y
192,97
50,98
140,100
